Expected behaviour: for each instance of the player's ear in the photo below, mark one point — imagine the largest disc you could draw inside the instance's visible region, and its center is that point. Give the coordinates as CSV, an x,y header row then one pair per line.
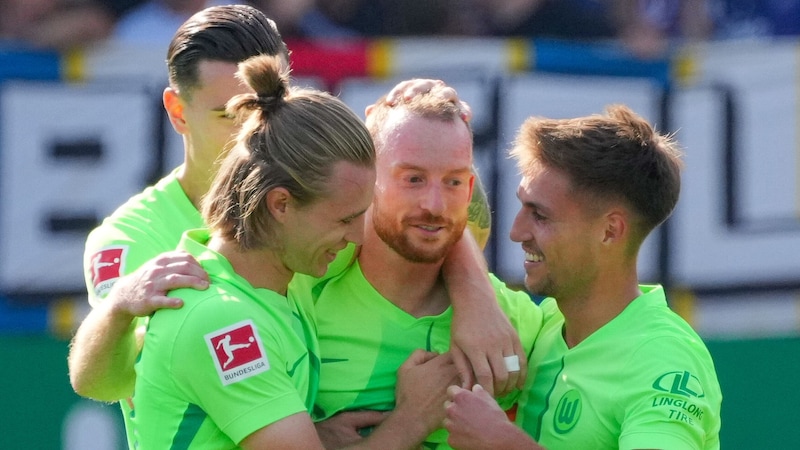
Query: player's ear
x,y
173,105
616,226
278,203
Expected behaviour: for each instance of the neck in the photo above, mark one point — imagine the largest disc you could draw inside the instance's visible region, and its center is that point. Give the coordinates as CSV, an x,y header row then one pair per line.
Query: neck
x,y
416,288
587,311
195,179
263,269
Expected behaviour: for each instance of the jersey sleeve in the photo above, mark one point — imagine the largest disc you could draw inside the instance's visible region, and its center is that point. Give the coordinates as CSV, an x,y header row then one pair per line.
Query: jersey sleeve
x,y
112,252
673,399
243,387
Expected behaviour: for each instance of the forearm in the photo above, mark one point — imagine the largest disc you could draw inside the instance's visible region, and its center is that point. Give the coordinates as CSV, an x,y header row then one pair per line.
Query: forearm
x,y
466,275
102,355
402,429
481,334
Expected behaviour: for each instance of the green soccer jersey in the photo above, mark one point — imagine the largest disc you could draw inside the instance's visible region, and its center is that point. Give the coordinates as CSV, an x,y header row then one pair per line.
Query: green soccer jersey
x,y
364,338
643,380
145,226
231,361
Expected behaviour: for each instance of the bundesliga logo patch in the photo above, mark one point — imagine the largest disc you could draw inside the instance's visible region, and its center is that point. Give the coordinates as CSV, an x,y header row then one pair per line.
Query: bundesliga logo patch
x,y
107,266
237,352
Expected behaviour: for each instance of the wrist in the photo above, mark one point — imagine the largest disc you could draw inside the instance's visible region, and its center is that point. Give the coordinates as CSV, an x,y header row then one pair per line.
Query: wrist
x,y
117,316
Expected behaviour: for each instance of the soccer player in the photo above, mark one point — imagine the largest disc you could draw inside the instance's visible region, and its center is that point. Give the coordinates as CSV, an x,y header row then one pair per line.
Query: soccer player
x,y
236,366
613,366
392,299
130,263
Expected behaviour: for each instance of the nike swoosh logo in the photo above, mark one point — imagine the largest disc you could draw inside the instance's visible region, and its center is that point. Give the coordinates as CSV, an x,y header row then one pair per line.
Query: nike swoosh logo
x,y
294,367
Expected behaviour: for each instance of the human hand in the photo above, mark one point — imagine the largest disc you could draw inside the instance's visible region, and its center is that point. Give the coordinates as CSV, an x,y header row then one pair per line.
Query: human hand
x,y
474,420
482,337
408,89
422,383
144,291
344,428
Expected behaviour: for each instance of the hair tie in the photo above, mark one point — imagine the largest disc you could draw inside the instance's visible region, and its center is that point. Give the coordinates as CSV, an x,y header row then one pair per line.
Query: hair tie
x,y
267,102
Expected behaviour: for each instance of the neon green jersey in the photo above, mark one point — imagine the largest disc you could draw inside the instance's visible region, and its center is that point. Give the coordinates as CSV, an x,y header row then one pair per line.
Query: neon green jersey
x,y
145,226
231,361
643,380
364,338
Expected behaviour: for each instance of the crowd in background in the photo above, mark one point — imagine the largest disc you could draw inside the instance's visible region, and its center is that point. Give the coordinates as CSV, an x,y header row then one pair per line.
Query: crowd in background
x,y
646,27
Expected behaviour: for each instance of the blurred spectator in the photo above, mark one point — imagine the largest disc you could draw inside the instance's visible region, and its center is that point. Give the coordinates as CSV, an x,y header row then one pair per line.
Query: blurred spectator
x,y
561,19
291,15
153,22
755,18
649,27
367,18
55,24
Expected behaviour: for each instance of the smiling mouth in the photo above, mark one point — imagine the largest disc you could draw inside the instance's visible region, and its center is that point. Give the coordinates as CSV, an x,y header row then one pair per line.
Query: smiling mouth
x,y
430,227
533,257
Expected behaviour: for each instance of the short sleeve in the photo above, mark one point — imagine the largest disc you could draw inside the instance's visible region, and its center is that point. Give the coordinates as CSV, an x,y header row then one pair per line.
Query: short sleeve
x,y
672,399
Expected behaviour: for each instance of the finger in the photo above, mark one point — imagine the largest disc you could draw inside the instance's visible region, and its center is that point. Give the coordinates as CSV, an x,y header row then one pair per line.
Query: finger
x,y
499,371
186,267
398,92
483,367
453,390
164,302
446,93
514,380
462,366
417,87
419,357
175,256
466,111
175,281
362,419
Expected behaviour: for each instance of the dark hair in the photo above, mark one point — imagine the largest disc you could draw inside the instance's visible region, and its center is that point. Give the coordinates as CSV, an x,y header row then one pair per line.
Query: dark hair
x,y
617,156
290,138
231,33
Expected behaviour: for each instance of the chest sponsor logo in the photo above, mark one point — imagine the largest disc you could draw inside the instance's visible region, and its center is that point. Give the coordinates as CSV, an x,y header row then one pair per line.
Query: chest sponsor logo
x,y
682,388
568,411
108,265
237,351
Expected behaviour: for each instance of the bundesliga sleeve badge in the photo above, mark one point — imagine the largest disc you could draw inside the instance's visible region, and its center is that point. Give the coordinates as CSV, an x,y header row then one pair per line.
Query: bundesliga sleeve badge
x,y
237,352
108,265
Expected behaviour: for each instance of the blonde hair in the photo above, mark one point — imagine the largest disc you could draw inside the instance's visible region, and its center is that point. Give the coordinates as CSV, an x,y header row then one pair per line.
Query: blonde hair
x,y
290,138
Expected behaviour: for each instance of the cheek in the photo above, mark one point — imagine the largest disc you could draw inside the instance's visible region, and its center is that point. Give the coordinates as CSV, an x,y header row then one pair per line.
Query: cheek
x,y
222,133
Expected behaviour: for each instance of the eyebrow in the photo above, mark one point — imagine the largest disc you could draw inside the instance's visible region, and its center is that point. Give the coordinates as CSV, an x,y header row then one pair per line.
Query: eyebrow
x,y
533,205
406,166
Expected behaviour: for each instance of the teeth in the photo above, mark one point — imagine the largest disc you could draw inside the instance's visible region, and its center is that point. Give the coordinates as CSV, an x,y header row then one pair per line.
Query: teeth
x,y
427,228
533,258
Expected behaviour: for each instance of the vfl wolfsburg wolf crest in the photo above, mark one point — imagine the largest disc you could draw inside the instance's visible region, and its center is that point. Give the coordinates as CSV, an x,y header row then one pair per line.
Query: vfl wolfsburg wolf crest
x,y
480,212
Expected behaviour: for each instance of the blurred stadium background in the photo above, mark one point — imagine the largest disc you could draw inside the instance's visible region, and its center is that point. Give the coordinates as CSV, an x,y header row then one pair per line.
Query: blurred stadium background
x,y
81,131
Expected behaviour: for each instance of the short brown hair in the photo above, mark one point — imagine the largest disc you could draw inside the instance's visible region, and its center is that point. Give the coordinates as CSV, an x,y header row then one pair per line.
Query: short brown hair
x,y
614,156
